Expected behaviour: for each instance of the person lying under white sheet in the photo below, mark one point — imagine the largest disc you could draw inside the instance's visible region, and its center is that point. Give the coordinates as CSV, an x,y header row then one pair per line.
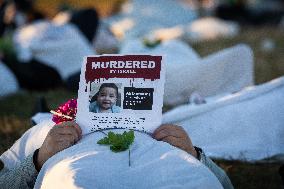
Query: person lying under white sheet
x,y
66,159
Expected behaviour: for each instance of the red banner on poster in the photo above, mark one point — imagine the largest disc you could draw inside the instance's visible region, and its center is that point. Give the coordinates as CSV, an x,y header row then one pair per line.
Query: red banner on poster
x,y
127,66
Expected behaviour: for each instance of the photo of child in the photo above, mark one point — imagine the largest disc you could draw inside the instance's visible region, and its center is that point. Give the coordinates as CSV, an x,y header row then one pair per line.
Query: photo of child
x,y
106,99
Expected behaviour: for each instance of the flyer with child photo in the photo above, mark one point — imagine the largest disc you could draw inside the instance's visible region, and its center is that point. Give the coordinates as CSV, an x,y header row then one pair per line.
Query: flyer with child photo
x,y
121,91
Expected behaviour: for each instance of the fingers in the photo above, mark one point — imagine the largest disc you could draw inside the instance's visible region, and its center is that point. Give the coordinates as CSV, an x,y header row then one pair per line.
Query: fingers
x,y
169,130
70,139
69,128
175,136
181,144
173,141
68,131
75,125
165,133
65,142
60,137
163,126
167,127
78,129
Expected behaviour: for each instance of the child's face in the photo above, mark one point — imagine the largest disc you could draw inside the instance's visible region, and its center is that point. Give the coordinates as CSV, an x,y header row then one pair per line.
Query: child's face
x,y
106,98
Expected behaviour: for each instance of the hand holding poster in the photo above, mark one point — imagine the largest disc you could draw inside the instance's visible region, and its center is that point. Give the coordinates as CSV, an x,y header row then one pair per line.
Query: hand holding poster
x,y
121,91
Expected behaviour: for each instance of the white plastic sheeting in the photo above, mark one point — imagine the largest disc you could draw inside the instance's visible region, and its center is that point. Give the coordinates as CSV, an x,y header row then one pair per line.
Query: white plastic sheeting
x,y
167,19
201,29
228,70
248,125
140,17
89,165
31,140
153,165
8,81
59,46
209,28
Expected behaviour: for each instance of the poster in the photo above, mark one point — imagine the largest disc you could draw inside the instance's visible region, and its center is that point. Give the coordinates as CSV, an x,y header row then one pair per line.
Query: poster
x,y
121,91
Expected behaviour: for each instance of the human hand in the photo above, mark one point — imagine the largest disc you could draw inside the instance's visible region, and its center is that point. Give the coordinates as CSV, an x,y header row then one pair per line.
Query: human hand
x,y
175,136
60,137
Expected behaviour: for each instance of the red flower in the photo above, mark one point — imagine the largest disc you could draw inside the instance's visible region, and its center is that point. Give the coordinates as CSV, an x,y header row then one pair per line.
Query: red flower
x,y
66,112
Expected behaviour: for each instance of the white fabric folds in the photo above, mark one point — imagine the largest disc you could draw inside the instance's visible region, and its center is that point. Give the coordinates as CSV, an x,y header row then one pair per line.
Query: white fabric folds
x,y
247,125
61,47
225,71
8,80
89,165
153,165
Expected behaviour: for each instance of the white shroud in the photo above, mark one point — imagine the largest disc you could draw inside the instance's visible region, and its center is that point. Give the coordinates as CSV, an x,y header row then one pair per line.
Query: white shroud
x,y
153,165
89,165
225,71
247,125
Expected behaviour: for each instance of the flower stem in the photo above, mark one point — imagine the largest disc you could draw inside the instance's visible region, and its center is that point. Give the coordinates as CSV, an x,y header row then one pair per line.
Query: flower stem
x,y
61,115
129,163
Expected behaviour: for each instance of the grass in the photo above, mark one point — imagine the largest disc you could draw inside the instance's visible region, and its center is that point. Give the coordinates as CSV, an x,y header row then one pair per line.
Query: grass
x,y
252,176
104,8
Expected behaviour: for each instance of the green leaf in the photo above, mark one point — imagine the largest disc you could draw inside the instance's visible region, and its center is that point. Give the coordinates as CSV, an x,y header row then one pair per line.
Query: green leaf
x,y
104,141
151,43
118,142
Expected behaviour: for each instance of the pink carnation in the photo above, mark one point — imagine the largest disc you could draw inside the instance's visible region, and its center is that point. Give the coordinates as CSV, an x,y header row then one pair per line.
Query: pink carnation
x,y
68,109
